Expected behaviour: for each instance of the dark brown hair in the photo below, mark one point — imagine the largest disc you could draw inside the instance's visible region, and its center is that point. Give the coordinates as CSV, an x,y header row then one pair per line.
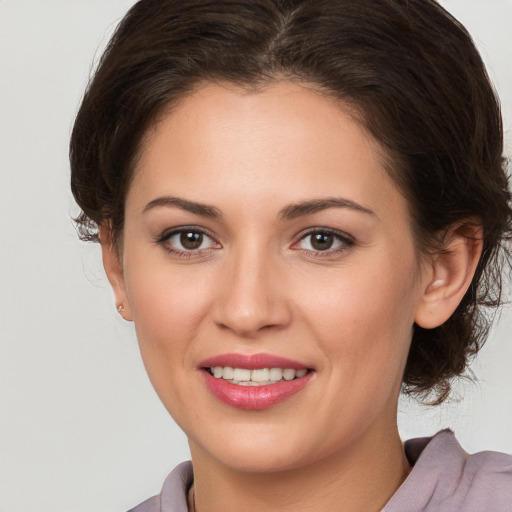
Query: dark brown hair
x,y
408,70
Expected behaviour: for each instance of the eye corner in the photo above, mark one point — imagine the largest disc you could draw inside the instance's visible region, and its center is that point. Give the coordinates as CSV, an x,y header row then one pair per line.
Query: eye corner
x,y
174,241
329,242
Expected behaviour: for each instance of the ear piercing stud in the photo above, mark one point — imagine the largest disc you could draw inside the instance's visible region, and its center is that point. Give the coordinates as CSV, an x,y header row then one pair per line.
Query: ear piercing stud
x,y
120,308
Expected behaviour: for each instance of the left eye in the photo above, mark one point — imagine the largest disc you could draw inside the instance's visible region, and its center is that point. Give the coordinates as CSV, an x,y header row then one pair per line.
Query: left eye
x,y
188,240
322,241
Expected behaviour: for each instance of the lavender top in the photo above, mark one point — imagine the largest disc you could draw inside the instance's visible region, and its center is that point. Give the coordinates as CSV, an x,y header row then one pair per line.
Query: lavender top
x,y
444,478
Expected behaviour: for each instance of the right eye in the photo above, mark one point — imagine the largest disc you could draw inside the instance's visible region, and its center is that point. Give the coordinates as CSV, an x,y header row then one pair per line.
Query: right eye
x,y
187,241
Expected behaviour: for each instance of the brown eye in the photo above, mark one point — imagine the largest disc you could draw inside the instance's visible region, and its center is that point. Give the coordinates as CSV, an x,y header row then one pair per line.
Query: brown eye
x,y
322,241
188,241
191,240
325,241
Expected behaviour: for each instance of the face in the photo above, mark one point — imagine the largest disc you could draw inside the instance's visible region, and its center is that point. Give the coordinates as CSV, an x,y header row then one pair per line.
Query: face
x,y
263,232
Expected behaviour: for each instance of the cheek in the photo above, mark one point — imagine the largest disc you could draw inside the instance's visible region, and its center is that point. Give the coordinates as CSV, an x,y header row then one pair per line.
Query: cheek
x,y
168,312
168,308
364,323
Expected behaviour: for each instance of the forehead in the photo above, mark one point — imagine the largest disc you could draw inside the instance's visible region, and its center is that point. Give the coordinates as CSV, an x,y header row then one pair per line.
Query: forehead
x,y
286,140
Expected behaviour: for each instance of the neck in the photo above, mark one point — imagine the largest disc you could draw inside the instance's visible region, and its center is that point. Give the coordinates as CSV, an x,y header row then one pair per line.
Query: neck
x,y
360,478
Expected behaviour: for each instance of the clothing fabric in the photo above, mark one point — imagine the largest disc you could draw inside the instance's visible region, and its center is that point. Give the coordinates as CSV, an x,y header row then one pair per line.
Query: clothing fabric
x,y
444,478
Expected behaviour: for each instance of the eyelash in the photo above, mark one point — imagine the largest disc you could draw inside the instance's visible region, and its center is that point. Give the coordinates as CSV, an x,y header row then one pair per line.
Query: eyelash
x,y
345,242
191,253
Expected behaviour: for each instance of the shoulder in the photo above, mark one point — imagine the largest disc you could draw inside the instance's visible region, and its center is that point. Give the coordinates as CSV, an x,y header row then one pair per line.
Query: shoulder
x,y
150,505
488,478
445,478
173,497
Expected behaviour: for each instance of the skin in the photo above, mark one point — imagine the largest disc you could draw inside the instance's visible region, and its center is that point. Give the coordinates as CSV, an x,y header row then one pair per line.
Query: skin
x,y
258,285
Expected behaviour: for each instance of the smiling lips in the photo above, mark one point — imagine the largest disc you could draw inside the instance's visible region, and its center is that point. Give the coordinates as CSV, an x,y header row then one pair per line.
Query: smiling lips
x,y
256,381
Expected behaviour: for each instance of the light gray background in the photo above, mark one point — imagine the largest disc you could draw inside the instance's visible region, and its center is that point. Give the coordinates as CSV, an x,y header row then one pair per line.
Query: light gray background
x,y
81,428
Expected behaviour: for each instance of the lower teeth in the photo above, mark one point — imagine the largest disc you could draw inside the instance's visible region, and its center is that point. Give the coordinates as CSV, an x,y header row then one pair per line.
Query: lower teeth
x,y
253,383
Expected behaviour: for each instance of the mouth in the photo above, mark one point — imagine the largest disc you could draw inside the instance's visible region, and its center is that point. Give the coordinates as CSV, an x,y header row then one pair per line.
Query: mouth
x,y
257,381
256,377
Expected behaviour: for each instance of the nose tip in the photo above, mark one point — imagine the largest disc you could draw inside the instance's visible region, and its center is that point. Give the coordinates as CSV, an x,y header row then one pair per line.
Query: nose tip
x,y
248,322
252,302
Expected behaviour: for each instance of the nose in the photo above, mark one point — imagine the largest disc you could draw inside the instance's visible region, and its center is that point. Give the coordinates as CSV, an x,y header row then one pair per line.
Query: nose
x,y
252,295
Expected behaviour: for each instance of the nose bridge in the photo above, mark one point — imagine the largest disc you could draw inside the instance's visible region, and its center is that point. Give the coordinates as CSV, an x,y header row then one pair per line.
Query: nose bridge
x,y
251,298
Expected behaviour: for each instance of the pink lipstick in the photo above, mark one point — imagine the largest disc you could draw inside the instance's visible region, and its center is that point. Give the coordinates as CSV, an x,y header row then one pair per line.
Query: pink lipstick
x,y
256,381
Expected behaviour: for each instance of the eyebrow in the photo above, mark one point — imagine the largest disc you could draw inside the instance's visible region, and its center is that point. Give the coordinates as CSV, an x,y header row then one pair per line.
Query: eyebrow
x,y
190,206
290,212
316,205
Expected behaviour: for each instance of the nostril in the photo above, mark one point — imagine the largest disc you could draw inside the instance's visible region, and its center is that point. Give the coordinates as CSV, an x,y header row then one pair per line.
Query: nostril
x,y
249,299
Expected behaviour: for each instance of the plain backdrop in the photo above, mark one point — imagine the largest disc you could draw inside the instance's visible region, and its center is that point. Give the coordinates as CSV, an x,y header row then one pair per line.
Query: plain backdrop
x,y
81,428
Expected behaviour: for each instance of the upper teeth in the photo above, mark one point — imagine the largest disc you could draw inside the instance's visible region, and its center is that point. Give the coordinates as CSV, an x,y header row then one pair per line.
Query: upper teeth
x,y
260,375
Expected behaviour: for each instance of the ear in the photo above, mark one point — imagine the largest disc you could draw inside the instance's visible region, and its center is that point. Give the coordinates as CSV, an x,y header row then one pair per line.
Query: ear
x,y
448,274
114,270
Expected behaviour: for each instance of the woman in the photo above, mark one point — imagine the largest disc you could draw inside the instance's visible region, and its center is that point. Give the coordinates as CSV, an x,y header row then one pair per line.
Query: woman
x,y
302,206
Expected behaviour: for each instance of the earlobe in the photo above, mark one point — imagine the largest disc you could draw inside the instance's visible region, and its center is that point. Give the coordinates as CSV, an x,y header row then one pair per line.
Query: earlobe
x,y
449,275
114,270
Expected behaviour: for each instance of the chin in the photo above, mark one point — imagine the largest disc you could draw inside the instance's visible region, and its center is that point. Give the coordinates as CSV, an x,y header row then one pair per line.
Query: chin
x,y
250,460
256,448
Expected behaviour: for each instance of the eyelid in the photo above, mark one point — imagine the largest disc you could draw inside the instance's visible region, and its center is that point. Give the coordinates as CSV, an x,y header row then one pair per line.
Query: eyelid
x,y
169,233
347,241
